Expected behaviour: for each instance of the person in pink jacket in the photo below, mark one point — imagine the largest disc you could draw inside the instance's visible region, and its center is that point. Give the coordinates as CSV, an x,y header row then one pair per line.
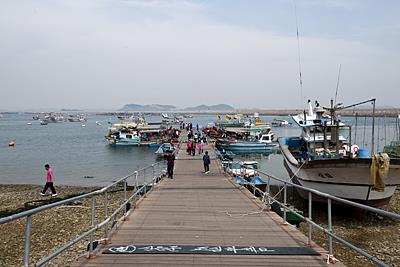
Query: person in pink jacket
x,y
49,181
200,148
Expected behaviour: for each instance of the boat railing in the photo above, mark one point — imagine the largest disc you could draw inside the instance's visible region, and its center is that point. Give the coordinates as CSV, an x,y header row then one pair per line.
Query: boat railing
x,y
141,182
268,199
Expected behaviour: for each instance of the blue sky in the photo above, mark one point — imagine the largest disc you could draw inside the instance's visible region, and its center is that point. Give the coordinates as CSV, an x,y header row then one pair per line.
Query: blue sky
x,y
106,53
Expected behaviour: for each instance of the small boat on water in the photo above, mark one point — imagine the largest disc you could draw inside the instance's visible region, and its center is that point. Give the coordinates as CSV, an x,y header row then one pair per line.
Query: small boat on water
x,y
12,143
165,149
77,118
133,134
280,123
322,158
257,182
291,217
43,122
243,169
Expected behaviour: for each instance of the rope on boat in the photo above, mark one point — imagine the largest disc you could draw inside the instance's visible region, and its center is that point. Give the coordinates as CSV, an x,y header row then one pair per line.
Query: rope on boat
x,y
291,179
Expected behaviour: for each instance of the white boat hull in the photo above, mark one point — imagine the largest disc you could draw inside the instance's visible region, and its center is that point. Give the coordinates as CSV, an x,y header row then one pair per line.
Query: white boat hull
x,y
349,179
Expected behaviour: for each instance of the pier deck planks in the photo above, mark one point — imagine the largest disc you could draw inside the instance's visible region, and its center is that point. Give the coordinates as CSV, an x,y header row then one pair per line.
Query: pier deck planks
x,y
203,209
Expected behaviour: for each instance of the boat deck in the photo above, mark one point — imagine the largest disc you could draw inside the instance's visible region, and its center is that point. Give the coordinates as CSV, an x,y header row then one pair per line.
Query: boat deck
x,y
197,209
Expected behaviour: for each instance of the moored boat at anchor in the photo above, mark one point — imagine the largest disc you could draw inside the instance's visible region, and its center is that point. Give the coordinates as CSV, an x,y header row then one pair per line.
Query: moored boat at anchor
x,y
321,158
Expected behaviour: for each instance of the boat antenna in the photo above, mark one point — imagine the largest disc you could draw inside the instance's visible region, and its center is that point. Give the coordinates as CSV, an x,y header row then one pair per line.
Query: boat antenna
x,y
298,53
337,83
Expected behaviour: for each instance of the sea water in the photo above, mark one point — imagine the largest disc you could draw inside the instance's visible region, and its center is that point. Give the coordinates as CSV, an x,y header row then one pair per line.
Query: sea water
x,y
76,152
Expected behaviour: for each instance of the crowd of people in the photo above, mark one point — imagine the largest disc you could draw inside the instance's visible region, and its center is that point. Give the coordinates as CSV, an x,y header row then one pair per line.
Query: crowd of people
x,y
195,145
196,140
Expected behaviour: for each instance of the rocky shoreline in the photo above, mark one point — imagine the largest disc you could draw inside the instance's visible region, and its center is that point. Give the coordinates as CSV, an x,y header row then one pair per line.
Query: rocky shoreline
x,y
53,228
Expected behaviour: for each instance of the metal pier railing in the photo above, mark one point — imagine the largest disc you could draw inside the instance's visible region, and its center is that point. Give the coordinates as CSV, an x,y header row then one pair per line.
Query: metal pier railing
x,y
150,176
268,199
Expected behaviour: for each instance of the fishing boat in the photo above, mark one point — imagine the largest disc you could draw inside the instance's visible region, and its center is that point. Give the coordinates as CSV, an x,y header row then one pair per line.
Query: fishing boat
x,y
265,142
323,158
54,118
124,134
133,134
76,118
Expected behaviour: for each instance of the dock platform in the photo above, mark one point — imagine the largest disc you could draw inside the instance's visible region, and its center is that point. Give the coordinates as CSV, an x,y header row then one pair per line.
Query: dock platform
x,y
207,212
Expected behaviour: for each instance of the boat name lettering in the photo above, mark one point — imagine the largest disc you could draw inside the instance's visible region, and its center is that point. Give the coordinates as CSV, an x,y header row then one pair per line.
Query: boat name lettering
x,y
325,175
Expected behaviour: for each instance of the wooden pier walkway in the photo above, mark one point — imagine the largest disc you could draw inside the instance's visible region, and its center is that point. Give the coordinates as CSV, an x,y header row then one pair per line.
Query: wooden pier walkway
x,y
200,209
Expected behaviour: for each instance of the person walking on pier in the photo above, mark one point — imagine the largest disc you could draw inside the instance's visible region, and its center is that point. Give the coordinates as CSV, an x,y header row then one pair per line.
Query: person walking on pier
x,y
206,162
170,165
49,181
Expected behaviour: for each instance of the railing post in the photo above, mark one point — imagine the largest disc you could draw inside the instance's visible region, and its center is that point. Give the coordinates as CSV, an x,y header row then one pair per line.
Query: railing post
x,y
136,181
92,219
125,198
330,226
27,240
154,170
105,215
145,183
153,178
309,217
136,186
284,202
268,191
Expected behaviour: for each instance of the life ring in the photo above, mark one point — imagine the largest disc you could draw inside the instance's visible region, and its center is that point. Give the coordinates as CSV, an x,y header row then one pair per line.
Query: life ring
x,y
355,148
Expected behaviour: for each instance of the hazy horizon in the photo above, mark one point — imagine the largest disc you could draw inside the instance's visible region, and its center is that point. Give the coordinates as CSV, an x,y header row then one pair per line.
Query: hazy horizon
x,y
101,55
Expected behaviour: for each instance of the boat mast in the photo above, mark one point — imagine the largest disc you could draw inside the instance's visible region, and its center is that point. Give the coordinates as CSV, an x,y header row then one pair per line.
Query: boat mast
x,y
298,53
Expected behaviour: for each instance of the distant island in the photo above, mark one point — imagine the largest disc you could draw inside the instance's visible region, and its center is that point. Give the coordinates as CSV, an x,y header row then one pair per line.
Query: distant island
x,y
170,108
219,107
153,107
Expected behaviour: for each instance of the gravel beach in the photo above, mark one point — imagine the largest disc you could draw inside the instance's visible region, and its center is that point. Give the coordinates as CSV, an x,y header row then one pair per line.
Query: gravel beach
x,y
50,229
378,236
53,228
